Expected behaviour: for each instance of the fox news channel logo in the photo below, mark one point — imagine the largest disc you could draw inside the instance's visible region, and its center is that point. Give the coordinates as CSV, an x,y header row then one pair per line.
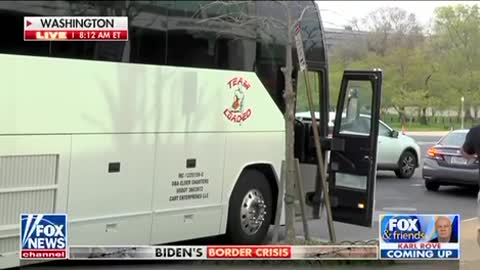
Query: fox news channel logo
x,y
43,236
419,237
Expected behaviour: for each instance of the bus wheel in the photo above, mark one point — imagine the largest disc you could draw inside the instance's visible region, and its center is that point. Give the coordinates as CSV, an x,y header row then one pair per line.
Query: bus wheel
x,y
250,209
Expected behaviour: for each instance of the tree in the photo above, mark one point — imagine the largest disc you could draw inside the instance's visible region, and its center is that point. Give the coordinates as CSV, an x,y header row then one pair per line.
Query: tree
x,y
431,70
457,41
392,38
238,14
345,53
390,28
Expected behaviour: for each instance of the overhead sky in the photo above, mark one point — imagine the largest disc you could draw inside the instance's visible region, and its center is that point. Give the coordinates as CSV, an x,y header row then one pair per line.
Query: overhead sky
x,y
337,14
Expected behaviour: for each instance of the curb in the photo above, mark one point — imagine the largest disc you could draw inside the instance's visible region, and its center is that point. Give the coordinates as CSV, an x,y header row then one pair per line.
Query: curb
x,y
469,246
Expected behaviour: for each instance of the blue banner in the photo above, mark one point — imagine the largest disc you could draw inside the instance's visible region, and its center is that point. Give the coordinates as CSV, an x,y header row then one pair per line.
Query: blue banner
x,y
411,236
419,254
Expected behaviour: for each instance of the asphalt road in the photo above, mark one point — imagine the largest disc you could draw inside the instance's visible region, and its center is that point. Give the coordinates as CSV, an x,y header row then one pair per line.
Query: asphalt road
x,y
397,195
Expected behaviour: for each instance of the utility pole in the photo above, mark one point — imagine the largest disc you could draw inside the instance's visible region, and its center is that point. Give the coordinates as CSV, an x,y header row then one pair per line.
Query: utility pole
x,y
463,113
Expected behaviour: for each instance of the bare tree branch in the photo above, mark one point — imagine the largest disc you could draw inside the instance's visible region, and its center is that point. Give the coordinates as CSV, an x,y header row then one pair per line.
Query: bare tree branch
x,y
301,17
239,19
266,26
221,3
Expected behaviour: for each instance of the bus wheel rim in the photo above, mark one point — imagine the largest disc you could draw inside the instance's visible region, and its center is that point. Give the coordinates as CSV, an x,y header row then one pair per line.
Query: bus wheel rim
x,y
253,211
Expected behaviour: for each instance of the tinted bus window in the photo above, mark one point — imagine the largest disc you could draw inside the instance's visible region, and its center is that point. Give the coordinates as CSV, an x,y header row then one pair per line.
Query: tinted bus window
x,y
314,36
189,44
77,50
315,83
312,31
199,37
271,50
148,32
13,12
11,17
166,32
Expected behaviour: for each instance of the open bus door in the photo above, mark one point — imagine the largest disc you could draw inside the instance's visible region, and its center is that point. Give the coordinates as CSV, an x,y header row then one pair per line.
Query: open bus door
x,y
350,148
353,148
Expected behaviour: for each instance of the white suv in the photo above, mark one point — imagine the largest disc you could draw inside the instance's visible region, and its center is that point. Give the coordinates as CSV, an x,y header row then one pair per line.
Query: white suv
x,y
395,151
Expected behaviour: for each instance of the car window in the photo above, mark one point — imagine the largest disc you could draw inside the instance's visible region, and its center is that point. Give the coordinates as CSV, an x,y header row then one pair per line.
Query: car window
x,y
454,139
363,126
383,130
353,127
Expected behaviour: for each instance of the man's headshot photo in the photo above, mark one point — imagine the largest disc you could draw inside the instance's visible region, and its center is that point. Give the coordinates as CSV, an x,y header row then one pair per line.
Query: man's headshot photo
x,y
443,227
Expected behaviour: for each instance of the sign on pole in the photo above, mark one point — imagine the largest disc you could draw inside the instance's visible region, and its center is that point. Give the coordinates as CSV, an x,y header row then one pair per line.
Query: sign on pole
x,y
299,45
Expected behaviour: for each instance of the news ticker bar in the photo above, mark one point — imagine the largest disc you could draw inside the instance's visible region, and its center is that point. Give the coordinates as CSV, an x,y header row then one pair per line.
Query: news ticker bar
x,y
80,28
319,252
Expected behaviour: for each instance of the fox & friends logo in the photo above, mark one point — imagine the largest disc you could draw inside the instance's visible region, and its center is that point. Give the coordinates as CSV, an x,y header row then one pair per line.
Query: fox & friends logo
x,y
419,237
403,229
43,236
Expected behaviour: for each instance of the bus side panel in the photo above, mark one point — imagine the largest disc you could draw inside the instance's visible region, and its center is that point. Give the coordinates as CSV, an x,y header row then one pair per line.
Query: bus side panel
x,y
188,186
244,149
33,179
111,189
75,96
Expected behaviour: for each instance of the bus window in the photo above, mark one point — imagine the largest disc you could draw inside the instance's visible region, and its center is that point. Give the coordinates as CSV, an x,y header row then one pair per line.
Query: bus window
x,y
148,33
196,39
13,12
314,80
357,109
304,149
268,68
148,46
11,17
271,53
311,31
90,50
106,51
78,49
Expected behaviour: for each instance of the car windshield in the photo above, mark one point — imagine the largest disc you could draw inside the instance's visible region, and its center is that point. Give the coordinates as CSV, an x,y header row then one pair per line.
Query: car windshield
x,y
454,139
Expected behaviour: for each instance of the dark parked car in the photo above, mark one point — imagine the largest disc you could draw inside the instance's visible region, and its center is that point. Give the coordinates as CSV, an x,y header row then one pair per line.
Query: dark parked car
x,y
445,165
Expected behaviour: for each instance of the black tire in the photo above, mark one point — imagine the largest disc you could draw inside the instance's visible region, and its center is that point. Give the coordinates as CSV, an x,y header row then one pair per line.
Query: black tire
x,y
431,185
407,165
255,182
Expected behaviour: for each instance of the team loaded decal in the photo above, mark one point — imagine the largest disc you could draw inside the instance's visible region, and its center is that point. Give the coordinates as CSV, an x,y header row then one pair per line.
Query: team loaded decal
x,y
237,112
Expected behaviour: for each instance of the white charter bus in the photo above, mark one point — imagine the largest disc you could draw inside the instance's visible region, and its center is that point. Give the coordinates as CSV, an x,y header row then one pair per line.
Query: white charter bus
x,y
173,135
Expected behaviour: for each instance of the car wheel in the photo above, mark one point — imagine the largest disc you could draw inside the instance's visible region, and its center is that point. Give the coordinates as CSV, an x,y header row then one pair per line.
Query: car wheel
x,y
407,164
432,186
250,209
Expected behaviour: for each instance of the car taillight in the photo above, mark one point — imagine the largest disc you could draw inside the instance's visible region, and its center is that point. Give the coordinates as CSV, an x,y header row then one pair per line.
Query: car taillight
x,y
433,153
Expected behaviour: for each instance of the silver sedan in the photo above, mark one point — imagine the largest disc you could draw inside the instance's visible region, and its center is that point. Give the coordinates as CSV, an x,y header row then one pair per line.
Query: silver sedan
x,y
445,165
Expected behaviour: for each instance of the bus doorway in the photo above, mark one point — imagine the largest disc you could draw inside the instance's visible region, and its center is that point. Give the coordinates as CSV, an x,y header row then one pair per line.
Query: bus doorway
x,y
348,144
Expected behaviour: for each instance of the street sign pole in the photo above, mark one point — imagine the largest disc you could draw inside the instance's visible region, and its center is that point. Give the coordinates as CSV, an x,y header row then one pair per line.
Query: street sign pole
x,y
321,169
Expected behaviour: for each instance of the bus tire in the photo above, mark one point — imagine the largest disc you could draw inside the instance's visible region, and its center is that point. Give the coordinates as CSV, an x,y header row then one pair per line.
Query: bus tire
x,y
250,209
